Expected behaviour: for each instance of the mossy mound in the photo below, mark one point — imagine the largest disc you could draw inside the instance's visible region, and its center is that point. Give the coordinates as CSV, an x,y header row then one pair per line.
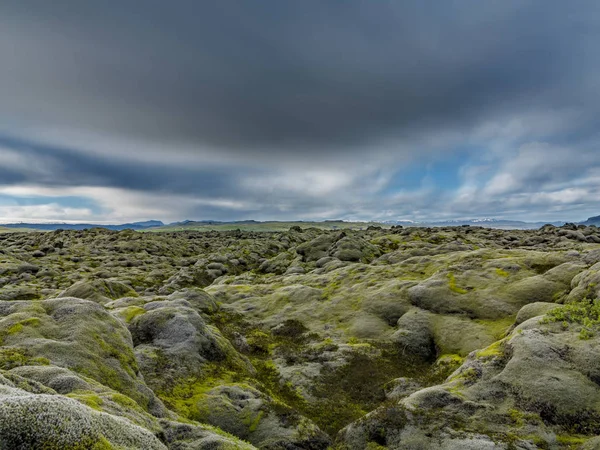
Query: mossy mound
x,y
535,388
79,335
32,420
254,416
99,291
173,342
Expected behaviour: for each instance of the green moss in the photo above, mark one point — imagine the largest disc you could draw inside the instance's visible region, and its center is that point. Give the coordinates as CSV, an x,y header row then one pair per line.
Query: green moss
x,y
259,341
131,312
585,313
31,322
252,421
125,401
537,440
270,380
14,329
502,273
88,398
498,327
121,353
332,288
496,350
585,334
103,444
570,441
468,376
18,327
183,396
452,285
14,357
443,368
516,417
345,394
374,446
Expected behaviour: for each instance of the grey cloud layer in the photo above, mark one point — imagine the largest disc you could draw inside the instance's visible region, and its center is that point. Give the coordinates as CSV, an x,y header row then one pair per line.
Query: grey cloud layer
x,y
277,76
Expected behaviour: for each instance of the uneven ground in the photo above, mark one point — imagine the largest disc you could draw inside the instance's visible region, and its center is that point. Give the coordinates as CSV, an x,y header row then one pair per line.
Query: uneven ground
x,y
266,226
449,338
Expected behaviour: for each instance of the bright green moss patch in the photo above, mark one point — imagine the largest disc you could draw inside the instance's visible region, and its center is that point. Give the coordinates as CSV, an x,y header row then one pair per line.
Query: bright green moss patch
x,y
131,312
13,357
259,341
502,273
585,313
516,417
20,326
14,329
252,421
496,350
88,398
570,441
452,285
184,395
497,328
125,401
31,322
443,368
103,444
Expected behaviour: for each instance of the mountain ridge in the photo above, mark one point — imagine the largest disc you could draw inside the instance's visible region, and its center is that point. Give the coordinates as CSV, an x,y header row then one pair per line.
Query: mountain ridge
x,y
157,224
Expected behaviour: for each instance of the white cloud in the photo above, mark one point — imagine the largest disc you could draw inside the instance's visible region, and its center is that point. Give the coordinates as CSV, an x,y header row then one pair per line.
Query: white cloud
x,y
43,213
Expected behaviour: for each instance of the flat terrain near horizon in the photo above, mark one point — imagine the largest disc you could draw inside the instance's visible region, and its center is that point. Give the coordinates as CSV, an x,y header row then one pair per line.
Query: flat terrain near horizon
x,y
268,226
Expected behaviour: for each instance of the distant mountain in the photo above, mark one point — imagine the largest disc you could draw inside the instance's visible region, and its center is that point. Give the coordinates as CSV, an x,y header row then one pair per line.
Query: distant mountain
x,y
485,222
85,226
211,222
592,221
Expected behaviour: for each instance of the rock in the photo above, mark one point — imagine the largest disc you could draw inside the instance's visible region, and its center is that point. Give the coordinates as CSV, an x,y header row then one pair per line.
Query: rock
x,y
173,345
28,268
253,416
299,294
200,300
59,379
318,247
295,270
401,387
585,284
414,336
29,420
534,310
188,436
277,265
540,379
324,260
354,249
79,335
195,276
99,291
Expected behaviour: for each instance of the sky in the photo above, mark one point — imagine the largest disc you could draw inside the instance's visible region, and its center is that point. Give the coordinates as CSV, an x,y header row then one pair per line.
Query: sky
x,y
116,111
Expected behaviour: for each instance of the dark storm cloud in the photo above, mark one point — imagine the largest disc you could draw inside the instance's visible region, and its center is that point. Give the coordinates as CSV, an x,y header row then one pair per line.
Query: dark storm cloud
x,y
70,168
282,76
